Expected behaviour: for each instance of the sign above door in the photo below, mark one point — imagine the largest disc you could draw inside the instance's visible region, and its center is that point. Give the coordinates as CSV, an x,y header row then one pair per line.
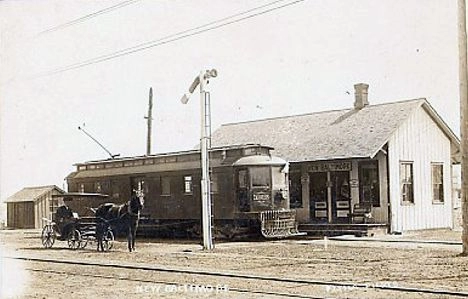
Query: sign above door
x,y
329,166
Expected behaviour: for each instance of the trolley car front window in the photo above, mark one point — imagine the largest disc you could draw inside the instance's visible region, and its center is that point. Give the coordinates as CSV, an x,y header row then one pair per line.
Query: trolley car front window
x,y
260,176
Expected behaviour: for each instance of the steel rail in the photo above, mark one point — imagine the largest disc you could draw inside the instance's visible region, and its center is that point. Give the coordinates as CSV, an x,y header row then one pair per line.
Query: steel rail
x,y
378,286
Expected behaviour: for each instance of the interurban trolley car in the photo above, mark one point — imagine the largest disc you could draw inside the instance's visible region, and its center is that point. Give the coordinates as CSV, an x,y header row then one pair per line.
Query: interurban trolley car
x,y
249,190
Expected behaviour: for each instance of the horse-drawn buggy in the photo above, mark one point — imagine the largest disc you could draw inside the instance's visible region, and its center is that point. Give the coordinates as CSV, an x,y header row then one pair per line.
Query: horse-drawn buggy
x,y
78,229
89,217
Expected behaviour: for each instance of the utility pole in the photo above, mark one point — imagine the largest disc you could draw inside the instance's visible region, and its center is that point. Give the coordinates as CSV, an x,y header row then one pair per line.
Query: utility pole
x,y
150,120
463,71
203,80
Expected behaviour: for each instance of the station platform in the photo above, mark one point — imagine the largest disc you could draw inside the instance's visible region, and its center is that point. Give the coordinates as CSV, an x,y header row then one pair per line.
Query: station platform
x,y
338,229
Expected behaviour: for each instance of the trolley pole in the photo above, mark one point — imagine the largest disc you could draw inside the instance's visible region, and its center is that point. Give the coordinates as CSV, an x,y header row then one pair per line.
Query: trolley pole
x,y
203,80
81,128
462,49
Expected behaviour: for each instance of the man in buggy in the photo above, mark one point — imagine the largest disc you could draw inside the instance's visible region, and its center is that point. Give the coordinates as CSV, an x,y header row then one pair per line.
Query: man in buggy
x,y
64,219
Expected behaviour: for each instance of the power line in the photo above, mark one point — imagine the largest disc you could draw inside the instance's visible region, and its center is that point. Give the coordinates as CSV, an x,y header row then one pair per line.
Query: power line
x,y
175,34
157,42
89,16
173,37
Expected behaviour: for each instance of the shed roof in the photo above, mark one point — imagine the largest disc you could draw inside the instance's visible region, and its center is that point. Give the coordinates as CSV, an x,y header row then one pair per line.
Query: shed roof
x,y
32,193
329,135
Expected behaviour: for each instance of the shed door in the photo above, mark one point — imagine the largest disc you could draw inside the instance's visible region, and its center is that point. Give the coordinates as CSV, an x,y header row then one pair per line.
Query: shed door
x,y
29,215
23,215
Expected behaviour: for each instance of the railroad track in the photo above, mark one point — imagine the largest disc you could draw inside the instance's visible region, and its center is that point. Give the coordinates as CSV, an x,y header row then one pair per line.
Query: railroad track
x,y
330,285
177,285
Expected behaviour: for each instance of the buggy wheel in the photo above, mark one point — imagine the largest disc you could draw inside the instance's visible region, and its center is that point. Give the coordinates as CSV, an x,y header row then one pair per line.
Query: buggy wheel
x,y
108,240
74,239
48,236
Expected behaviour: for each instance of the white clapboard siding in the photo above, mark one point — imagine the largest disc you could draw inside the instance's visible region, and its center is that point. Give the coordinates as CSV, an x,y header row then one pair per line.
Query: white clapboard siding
x,y
381,213
420,140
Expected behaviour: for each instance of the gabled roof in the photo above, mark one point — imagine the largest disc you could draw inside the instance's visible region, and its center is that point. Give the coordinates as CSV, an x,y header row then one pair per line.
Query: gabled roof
x,y
32,193
328,135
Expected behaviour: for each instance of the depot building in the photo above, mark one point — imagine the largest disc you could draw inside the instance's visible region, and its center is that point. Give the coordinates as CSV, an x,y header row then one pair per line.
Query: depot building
x,y
394,159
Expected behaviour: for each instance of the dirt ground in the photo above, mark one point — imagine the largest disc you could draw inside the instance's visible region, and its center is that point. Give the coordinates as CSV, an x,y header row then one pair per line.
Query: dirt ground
x,y
409,260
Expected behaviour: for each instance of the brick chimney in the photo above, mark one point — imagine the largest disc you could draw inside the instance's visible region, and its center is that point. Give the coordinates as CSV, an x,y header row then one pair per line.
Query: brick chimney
x,y
360,95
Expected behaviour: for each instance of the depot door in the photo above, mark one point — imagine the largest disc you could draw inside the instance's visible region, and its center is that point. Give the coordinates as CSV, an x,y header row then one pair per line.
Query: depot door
x,y
318,197
340,196
329,197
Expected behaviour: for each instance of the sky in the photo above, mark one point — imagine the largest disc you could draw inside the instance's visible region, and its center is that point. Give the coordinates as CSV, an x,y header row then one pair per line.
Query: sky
x,y
303,57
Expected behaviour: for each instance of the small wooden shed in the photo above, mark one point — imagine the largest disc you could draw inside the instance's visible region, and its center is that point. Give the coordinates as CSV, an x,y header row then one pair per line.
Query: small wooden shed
x,y
27,207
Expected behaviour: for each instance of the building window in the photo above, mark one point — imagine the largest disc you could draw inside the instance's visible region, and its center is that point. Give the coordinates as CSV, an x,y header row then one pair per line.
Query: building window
x,y
214,183
97,187
406,182
81,188
138,186
243,179
437,183
165,186
369,191
138,162
150,161
115,187
188,186
295,190
53,205
254,151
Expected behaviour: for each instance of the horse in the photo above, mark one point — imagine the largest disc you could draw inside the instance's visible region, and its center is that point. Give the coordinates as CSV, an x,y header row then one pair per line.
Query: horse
x,y
125,216
102,226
